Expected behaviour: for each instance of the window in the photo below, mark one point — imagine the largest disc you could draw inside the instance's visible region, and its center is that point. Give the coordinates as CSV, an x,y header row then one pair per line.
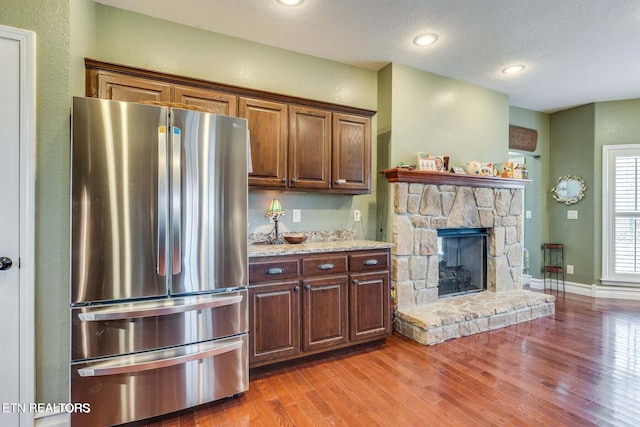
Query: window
x,y
621,215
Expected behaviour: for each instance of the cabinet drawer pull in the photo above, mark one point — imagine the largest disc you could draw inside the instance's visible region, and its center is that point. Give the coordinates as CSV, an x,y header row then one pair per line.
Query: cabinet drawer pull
x,y
275,270
326,266
372,261
341,181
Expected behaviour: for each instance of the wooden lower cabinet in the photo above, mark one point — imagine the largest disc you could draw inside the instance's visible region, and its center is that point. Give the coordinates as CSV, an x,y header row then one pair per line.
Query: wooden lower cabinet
x,y
369,306
325,312
274,316
306,304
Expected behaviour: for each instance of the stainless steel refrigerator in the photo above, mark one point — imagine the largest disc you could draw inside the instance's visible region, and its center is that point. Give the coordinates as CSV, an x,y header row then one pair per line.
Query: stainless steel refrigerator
x,y
159,314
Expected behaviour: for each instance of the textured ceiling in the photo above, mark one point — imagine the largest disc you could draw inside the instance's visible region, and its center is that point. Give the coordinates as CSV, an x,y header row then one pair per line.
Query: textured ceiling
x,y
575,51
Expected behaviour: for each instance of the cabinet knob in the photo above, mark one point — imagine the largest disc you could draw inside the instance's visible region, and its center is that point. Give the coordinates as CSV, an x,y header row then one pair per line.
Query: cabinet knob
x,y
294,180
356,282
308,287
283,180
296,288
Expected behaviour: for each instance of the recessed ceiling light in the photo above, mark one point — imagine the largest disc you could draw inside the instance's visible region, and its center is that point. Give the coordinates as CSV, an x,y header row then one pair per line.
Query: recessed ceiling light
x,y
513,69
425,39
290,2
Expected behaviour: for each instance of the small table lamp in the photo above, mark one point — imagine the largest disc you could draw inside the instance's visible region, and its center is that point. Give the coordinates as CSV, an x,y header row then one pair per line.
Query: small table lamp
x,y
275,211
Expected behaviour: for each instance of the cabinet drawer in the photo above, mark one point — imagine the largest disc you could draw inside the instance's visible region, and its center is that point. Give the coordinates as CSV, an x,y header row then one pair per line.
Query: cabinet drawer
x,y
369,261
325,264
262,271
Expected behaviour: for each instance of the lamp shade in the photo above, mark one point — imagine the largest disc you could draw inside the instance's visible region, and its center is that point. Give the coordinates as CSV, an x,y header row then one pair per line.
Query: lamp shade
x,y
275,209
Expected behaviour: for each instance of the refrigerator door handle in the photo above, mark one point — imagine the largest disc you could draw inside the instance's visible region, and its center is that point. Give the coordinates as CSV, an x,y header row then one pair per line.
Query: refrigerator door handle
x,y
104,369
149,311
163,201
176,196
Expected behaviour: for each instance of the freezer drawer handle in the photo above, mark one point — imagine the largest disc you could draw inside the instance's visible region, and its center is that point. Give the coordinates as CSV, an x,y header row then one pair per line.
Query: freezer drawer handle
x,y
372,261
98,371
274,271
110,314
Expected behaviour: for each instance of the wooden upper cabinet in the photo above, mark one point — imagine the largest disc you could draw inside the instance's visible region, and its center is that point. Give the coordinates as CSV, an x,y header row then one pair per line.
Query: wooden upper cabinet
x,y
309,148
132,89
296,144
212,101
267,123
351,161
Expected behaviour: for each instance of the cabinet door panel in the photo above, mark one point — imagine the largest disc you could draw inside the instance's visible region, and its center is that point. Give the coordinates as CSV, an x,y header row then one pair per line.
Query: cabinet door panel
x,y
369,316
325,311
212,101
351,162
267,123
274,319
309,148
132,89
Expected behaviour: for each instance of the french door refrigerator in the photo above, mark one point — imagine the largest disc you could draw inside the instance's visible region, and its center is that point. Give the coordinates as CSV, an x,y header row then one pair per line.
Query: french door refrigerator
x,y
159,314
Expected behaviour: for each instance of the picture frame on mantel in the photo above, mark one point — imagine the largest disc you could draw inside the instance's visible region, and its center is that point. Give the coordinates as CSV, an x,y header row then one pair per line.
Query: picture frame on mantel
x,y
524,139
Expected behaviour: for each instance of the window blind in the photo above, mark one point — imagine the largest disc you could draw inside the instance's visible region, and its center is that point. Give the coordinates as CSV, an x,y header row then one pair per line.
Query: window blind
x,y
626,214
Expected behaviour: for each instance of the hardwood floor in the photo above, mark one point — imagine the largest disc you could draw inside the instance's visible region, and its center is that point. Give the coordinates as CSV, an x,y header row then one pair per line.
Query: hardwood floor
x,y
581,367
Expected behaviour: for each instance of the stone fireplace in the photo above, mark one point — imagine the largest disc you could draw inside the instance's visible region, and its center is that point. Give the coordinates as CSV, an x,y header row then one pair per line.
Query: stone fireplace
x,y
426,203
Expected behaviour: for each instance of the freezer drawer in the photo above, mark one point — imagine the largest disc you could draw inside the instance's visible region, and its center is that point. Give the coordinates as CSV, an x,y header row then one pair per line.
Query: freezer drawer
x,y
115,329
134,387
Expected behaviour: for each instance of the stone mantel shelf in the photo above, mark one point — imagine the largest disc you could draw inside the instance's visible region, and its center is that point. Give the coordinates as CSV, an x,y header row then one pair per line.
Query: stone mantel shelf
x,y
449,178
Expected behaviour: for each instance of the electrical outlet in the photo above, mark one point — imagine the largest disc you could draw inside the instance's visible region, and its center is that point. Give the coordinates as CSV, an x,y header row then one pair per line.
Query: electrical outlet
x,y
356,215
572,214
569,269
296,215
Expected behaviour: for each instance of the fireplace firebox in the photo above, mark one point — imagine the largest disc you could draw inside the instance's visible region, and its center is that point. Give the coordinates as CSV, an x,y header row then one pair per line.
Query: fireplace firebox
x,y
463,254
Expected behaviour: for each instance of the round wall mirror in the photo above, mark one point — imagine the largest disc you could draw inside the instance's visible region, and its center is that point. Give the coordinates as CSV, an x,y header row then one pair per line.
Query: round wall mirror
x,y
569,189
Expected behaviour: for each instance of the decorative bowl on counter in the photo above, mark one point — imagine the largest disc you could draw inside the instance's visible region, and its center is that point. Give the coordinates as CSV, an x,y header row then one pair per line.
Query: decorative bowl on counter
x,y
295,238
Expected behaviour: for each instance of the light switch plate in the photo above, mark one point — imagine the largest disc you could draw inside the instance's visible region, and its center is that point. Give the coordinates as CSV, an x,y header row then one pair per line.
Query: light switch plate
x,y
528,214
356,215
569,269
296,215
572,214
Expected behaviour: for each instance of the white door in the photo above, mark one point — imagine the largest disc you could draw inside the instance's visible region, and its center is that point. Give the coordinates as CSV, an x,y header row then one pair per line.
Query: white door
x,y
15,328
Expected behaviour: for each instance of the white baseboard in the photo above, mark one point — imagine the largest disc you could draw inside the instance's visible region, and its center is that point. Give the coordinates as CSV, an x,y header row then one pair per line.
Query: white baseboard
x,y
594,291
53,420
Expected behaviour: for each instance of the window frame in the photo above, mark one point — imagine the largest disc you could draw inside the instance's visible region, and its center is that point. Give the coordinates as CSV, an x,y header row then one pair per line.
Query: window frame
x,y
609,276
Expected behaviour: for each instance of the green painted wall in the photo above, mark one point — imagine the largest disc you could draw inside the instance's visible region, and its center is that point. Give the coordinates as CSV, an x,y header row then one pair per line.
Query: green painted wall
x,y
440,115
49,19
141,41
572,139
616,122
82,42
421,111
536,229
577,137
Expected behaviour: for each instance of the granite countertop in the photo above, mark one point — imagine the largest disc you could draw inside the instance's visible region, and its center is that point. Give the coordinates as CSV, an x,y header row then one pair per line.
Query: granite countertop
x,y
261,250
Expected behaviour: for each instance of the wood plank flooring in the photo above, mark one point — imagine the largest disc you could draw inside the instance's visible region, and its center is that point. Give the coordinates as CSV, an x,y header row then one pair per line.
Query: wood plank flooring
x,y
578,368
